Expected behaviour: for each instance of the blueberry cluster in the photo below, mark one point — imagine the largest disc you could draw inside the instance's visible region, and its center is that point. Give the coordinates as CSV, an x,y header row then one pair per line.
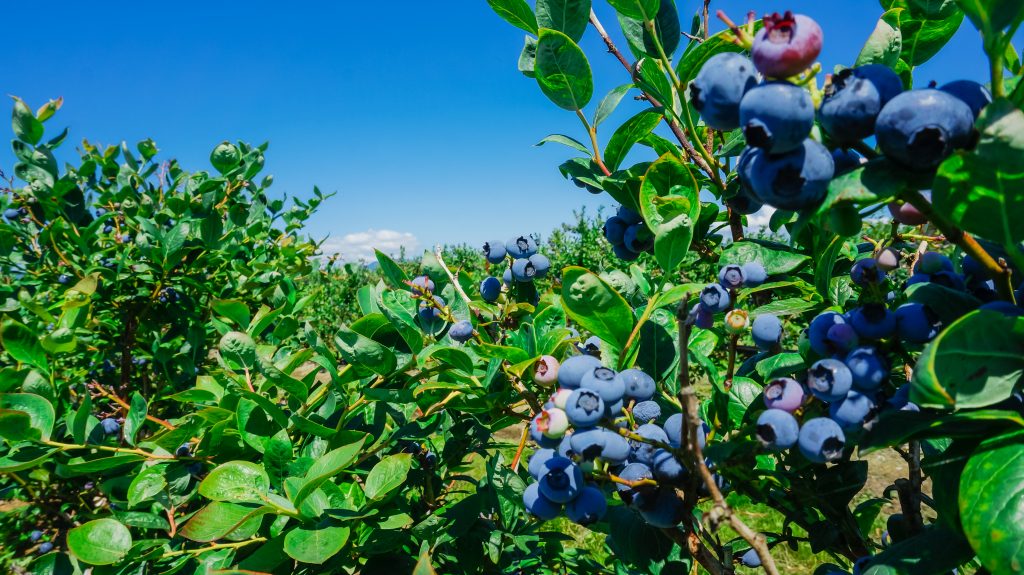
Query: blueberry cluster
x,y
603,423
526,264
718,297
14,214
168,295
628,234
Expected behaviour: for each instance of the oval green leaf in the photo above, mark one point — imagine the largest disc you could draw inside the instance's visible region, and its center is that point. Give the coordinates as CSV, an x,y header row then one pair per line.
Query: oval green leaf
x,y
315,545
100,542
992,506
235,481
563,71
387,475
596,306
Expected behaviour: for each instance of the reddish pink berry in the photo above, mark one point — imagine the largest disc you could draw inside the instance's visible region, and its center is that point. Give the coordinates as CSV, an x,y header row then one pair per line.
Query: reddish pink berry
x,y
907,214
787,45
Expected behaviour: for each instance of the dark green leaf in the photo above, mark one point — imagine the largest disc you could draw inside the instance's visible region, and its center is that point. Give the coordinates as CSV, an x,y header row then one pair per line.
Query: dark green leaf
x,y
323,469
516,13
389,474
610,102
596,306
218,519
565,141
22,344
569,17
26,126
315,544
776,258
39,411
628,134
361,350
636,9
991,502
136,417
563,71
100,541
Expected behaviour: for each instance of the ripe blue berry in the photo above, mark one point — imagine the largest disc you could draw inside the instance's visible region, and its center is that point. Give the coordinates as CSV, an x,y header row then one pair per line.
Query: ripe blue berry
x,y
971,93
634,472
523,270
561,480
1004,307
638,238
624,253
110,425
431,313
494,251
888,259
750,559
584,408
776,117
184,450
795,180
714,298
865,272
852,411
662,508
541,264
766,331
920,128
506,277
45,548
777,429
730,276
719,87
589,507
646,411
817,331
537,461
35,536
745,201
704,319
63,279
539,506
461,331
868,368
629,216
11,214
854,99
673,428
829,379
786,45
916,323
490,289
754,274
784,393
637,384
933,263
572,370
644,452
615,230
821,440
667,468
872,321
423,283
604,382
845,161
521,247
615,449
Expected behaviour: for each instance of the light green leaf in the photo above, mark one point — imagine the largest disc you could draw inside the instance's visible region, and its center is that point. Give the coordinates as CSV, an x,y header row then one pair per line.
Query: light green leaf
x,y
100,542
235,481
516,13
563,71
315,545
569,17
389,474
596,306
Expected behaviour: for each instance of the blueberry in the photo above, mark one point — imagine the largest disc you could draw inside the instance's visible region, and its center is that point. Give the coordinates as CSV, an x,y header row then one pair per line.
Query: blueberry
x,y
494,251
537,461
854,99
777,429
872,321
950,280
933,263
521,247
11,214
45,548
766,331
616,449
714,298
868,368
852,411
506,277
184,450
637,239
971,93
906,214
829,379
1004,307
750,559
920,128
541,264
110,425
629,216
624,253
786,45
195,468
539,506
589,507
423,283
430,313
63,279
637,384
817,331
916,323
776,117
784,393
490,289
461,331
615,230
35,535
584,408
572,370
564,447
662,508
719,87
730,276
704,319
545,371
865,272
646,411
673,428
108,228
746,200
795,180
644,452
821,440
634,472
592,346
754,274
846,161
667,468
973,270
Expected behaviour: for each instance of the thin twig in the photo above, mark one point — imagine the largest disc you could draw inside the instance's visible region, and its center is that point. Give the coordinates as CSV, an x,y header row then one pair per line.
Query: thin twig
x,y
455,282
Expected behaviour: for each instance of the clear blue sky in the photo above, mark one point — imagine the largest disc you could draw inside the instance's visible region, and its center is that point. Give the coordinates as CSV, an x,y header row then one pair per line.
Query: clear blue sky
x,y
412,111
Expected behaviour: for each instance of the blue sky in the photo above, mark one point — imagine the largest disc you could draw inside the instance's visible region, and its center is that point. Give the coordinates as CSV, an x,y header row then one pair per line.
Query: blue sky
x,y
413,112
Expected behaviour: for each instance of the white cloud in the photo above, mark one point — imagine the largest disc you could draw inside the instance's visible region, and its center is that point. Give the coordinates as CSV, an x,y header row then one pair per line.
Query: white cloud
x,y
359,246
760,218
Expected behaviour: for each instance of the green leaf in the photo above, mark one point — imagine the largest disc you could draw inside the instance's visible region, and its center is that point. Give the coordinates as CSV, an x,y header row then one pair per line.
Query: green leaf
x,y
363,351
825,264
885,43
898,427
569,17
323,469
423,566
925,27
876,181
394,275
218,519
982,190
22,344
26,456
934,550
694,59
636,9
785,306
990,16
565,141
780,365
992,503
235,310
516,13
16,426
147,484
100,542
39,410
136,417
975,362
563,71
235,481
670,203
609,103
277,454
316,544
596,306
389,474
666,26
776,258
528,57
26,126
628,134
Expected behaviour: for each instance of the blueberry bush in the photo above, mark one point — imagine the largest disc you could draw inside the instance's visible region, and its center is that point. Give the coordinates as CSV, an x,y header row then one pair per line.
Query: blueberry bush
x,y
185,388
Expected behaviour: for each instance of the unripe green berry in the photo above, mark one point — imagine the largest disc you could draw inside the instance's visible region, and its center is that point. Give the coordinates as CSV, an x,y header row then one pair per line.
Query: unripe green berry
x,y
736,322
